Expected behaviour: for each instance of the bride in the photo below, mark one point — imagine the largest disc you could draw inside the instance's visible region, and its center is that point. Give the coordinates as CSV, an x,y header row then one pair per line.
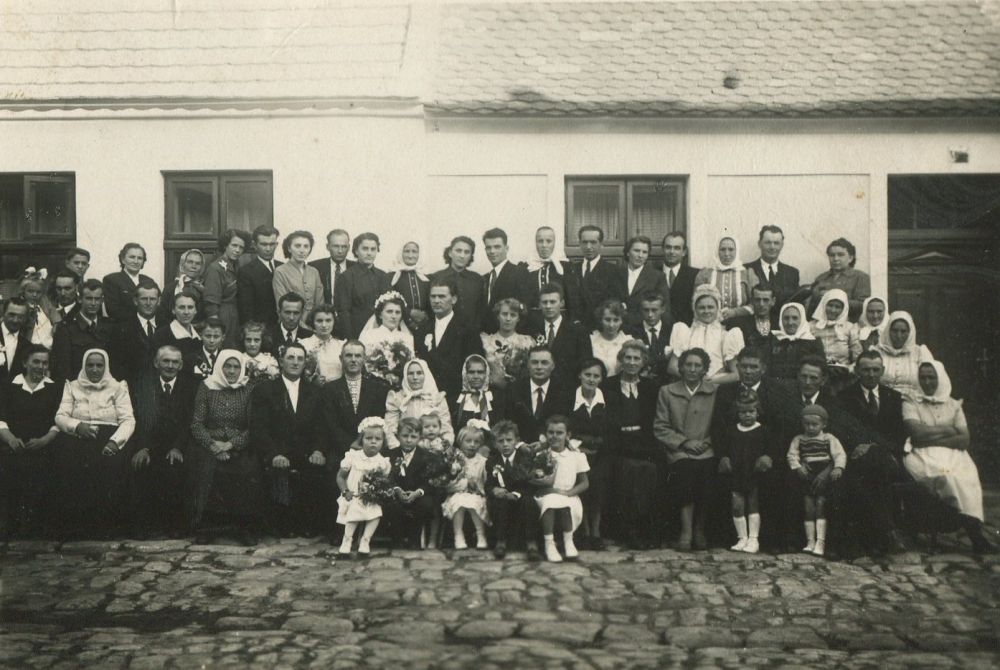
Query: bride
x,y
386,324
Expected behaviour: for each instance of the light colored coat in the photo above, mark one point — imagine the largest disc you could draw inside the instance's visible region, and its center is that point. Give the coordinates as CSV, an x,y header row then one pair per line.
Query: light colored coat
x,y
682,416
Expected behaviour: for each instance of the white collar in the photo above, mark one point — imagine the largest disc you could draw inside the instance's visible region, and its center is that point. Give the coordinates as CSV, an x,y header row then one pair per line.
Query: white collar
x,y
289,383
635,271
68,308
23,383
136,279
555,324
444,320
498,268
178,331
597,259
765,265
873,391
86,320
690,391
334,264
812,398
672,268
659,327
581,400
544,387
166,382
746,429
143,320
755,386
267,264
289,331
6,333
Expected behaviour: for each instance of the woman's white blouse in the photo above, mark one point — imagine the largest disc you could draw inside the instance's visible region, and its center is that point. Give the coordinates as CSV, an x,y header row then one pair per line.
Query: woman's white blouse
x,y
606,351
399,405
327,356
721,345
109,406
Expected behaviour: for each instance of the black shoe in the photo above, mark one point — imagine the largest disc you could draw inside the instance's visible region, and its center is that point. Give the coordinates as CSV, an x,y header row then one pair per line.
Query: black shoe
x,y
533,555
500,550
597,544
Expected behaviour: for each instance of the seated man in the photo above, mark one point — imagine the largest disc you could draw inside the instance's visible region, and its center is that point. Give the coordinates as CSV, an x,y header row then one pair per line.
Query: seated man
x,y
163,403
531,401
416,504
509,497
353,397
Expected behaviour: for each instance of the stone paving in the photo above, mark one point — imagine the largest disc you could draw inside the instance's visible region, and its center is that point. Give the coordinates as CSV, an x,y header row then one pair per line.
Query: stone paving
x,y
293,603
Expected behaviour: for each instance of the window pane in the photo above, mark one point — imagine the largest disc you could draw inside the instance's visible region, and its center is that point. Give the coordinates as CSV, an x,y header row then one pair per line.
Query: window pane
x,y
11,208
50,203
957,202
247,204
193,208
596,205
653,210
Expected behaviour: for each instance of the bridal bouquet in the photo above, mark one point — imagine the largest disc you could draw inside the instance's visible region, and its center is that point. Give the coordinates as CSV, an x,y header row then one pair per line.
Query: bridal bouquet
x,y
386,361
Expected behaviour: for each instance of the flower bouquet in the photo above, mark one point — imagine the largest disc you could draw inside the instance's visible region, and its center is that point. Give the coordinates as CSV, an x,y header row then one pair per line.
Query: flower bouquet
x,y
262,366
386,361
376,488
514,360
446,469
539,468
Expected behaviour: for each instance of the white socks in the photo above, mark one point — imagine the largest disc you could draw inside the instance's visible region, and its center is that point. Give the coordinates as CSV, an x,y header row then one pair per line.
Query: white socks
x,y
820,547
747,533
753,544
568,545
741,533
345,545
551,553
364,545
810,527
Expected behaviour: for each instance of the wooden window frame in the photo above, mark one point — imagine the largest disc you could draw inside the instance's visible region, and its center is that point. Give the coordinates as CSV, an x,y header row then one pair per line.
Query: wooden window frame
x,y
29,237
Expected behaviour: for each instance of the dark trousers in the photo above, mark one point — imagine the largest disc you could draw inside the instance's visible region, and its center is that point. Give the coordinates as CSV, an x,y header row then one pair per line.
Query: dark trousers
x,y
406,521
89,485
514,520
639,485
158,493
25,489
863,502
301,499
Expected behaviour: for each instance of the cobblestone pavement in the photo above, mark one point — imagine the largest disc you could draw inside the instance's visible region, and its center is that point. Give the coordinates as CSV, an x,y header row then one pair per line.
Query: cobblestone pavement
x,y
292,603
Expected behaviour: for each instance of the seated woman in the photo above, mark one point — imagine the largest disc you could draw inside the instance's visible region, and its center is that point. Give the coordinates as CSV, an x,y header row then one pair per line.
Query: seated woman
x,y
96,421
608,341
706,332
871,323
728,275
419,396
588,423
842,255
831,328
387,323
477,400
901,355
507,350
323,345
410,281
938,449
256,343
27,428
226,475
788,346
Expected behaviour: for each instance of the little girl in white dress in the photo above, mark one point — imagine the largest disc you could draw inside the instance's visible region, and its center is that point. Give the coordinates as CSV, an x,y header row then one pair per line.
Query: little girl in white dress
x,y
467,491
351,510
562,502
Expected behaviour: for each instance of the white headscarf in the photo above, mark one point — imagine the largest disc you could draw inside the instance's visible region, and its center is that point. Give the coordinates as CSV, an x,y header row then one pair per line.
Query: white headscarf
x,y
106,381
736,266
700,292
429,389
885,340
536,262
943,392
864,328
466,395
803,332
399,265
841,325
217,380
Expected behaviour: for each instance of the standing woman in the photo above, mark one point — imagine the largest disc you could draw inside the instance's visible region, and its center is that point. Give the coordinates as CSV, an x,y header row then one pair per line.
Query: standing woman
x,y
608,341
190,272
361,285
588,423
793,342
546,266
95,419
120,287
220,284
227,476
507,350
707,333
297,276
842,256
730,277
901,354
871,323
638,278
938,447
410,281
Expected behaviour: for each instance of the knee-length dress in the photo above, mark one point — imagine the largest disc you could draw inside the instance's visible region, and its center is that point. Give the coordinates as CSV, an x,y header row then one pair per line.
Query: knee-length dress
x,y
358,465
472,495
567,464
220,298
743,446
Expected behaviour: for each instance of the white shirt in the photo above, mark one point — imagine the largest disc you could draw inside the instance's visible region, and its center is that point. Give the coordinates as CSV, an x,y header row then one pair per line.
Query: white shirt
x,y
9,344
497,269
168,386
66,309
292,334
871,392
771,268
293,391
658,326
534,393
134,278
581,400
268,264
333,273
553,324
671,270
633,277
441,325
812,399
144,323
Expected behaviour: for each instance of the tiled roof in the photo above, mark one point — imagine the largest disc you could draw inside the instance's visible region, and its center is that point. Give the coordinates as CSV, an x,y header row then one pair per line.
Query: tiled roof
x,y
150,50
752,59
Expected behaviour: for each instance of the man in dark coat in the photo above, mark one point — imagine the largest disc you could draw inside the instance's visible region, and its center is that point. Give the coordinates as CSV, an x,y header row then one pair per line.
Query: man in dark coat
x,y
14,338
566,338
504,280
348,400
255,295
287,431
531,401
447,340
784,279
288,328
87,330
132,340
595,275
637,278
338,243
654,330
757,327
680,277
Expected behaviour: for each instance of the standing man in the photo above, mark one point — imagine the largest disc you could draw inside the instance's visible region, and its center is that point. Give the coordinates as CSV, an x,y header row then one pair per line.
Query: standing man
x,y
448,340
469,285
654,330
757,327
680,277
14,338
595,274
78,262
783,278
505,279
338,243
351,398
132,340
64,302
289,328
566,338
255,297
87,330
638,278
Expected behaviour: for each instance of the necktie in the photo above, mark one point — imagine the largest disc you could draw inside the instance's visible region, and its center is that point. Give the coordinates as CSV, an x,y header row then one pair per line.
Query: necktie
x,y
270,266
652,337
872,403
288,338
166,389
586,269
149,329
489,288
540,398
670,278
552,333
770,273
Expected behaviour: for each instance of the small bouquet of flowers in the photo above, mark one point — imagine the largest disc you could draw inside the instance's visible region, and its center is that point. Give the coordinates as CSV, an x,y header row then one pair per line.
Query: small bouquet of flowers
x,y
386,361
446,469
376,488
311,371
539,468
263,366
203,368
514,359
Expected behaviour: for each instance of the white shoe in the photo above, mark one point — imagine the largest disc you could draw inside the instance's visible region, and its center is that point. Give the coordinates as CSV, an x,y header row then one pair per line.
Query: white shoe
x,y
820,547
551,553
345,547
740,546
364,546
568,547
481,543
752,546
460,542
810,548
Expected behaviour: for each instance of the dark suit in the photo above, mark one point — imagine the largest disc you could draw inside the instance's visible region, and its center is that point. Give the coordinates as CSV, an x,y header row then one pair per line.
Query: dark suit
x,y
520,404
406,520
357,290
512,519
301,492
595,288
747,323
681,293
445,358
511,282
657,370
325,274
132,350
567,279
341,418
275,333
785,282
12,368
255,295
650,280
570,347
71,340
887,424
163,423
119,294
470,294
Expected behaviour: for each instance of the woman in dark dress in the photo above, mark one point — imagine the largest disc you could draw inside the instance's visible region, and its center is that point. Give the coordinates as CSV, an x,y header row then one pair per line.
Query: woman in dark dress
x,y
794,341
120,287
588,422
227,476
189,277
220,284
181,332
361,285
411,282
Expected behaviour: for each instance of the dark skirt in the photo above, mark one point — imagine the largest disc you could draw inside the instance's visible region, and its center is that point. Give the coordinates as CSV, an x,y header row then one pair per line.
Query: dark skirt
x,y
88,485
230,487
690,480
744,460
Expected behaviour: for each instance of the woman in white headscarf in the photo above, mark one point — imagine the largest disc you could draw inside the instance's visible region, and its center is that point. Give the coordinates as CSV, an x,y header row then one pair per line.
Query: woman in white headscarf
x,y
791,342
410,281
831,327
937,452
227,475
733,281
871,323
96,421
901,354
419,396
708,333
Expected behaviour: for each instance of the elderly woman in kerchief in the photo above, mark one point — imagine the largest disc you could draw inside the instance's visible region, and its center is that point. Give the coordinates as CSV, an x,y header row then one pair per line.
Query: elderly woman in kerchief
x,y
901,355
226,474
792,342
418,396
410,281
706,332
938,449
190,270
96,421
727,274
477,400
871,323
831,327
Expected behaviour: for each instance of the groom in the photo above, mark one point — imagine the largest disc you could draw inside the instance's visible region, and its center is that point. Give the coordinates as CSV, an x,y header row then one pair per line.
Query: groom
x,y
446,342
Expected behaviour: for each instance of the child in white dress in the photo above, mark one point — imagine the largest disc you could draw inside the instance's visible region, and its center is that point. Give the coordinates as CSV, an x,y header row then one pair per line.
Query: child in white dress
x,y
467,491
351,510
418,396
561,503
